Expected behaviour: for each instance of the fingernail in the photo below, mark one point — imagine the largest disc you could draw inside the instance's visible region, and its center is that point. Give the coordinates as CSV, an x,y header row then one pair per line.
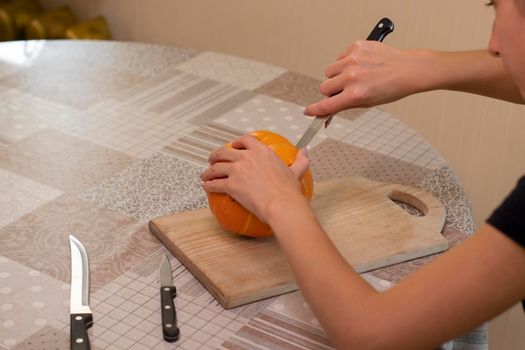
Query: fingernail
x,y
305,149
304,111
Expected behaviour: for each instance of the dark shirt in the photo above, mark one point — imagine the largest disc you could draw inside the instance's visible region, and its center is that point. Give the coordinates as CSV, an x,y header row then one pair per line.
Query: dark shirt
x,y
509,217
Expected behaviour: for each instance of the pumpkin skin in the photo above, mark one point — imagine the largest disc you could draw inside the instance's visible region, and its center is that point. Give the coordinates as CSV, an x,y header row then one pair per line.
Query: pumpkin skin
x,y
233,216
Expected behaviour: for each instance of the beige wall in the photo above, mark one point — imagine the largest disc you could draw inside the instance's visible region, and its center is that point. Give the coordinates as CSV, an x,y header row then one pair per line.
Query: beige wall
x,y
482,139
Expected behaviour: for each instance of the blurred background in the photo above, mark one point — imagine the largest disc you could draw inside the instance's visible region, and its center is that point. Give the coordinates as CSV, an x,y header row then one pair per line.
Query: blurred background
x,y
482,139
29,20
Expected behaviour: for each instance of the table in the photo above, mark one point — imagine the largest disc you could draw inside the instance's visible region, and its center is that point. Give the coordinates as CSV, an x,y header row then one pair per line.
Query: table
x,y
97,138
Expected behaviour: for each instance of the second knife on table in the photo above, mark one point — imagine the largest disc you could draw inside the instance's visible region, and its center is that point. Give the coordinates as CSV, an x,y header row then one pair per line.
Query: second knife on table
x,y
170,331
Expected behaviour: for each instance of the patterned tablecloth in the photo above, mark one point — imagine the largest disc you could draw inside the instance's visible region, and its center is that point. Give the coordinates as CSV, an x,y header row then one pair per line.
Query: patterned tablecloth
x,y
97,138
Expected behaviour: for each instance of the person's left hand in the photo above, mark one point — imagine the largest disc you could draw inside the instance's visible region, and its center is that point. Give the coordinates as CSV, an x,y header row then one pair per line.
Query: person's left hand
x,y
254,175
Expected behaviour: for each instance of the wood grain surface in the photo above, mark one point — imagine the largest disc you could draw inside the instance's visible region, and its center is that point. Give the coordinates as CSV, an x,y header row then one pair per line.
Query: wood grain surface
x,y
359,215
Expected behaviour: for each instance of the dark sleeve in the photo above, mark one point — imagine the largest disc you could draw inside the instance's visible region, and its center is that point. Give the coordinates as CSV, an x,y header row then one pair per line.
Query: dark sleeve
x,y
509,217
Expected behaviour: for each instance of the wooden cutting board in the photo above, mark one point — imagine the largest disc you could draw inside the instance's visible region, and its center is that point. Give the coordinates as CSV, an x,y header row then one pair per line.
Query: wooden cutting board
x,y
359,215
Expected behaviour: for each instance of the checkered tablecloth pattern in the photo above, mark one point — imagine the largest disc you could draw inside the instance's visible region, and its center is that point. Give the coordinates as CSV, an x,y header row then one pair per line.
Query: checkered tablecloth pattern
x,y
98,138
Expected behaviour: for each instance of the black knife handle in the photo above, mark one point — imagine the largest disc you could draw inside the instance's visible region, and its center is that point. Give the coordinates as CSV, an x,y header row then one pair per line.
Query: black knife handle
x,y
78,331
384,27
170,331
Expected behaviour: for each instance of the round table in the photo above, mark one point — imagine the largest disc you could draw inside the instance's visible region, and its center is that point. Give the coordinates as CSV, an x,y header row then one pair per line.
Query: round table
x,y
97,138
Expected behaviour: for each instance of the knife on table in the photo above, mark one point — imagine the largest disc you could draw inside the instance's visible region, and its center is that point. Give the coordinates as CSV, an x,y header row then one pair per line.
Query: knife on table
x,y
80,313
384,27
170,331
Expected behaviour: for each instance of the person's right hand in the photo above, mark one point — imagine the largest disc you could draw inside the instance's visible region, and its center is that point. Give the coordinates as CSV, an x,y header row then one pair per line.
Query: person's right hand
x,y
369,73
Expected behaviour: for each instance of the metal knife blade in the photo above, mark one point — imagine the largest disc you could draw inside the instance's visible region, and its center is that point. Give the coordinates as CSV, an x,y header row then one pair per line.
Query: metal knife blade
x,y
384,27
170,331
81,317
312,130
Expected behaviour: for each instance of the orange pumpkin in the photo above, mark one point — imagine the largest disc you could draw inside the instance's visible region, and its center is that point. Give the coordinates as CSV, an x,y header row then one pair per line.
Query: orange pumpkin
x,y
234,217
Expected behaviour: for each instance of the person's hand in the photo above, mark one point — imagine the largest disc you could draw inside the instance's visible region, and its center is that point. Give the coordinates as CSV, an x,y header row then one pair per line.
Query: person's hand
x,y
368,73
254,175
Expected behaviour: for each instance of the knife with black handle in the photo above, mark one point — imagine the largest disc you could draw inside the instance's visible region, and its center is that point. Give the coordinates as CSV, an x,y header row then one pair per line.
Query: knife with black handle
x,y
168,292
81,316
384,27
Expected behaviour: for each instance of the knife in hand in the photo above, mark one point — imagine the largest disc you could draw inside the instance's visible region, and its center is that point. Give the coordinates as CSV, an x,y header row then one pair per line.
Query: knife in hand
x,y
384,27
170,331
80,314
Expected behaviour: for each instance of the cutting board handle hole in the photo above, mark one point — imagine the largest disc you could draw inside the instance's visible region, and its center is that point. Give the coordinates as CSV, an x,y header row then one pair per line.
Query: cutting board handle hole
x,y
408,203
409,209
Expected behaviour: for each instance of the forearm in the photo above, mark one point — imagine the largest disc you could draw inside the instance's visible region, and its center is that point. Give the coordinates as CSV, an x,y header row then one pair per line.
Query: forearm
x,y
356,316
469,71
371,74
338,296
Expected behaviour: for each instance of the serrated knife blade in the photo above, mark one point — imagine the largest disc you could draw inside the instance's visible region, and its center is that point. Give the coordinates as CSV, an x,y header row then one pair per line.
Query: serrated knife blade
x,y
81,317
